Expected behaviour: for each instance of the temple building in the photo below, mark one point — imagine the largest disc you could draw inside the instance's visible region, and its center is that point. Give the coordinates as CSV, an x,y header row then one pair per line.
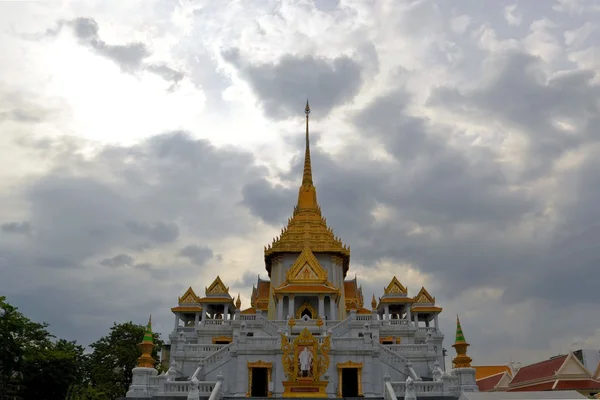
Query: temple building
x,y
307,332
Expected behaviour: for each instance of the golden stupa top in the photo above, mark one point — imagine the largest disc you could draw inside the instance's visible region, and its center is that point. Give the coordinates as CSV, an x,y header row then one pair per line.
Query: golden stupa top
x,y
307,227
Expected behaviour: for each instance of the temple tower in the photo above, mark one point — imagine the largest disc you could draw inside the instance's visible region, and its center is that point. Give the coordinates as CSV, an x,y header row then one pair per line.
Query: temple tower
x,y
307,236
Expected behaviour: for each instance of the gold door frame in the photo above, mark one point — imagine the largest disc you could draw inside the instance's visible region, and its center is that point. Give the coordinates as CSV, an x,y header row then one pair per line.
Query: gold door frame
x,y
350,364
259,364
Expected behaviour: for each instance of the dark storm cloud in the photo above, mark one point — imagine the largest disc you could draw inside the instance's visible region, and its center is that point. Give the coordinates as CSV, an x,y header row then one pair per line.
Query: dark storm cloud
x,y
129,57
23,228
456,214
518,94
327,82
199,255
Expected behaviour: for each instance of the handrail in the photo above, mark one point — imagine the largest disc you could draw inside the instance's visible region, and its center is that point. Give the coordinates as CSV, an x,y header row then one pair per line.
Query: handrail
x,y
270,327
217,392
392,359
341,328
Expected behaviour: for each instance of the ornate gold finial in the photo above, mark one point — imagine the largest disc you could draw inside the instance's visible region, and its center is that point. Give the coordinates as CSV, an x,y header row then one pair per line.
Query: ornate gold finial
x,y
374,303
291,322
319,322
307,176
146,360
462,360
238,303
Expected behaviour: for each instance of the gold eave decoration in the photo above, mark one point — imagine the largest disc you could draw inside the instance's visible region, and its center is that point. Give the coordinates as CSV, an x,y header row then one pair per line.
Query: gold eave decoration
x,y
217,287
316,288
306,268
189,297
423,297
216,300
395,287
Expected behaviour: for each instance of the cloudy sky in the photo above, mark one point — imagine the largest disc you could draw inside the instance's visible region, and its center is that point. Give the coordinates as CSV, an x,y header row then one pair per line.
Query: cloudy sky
x,y
147,146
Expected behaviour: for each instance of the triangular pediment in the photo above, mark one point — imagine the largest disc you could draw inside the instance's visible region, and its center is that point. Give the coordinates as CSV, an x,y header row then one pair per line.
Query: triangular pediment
x,y
504,381
189,297
395,287
424,297
572,367
217,287
306,269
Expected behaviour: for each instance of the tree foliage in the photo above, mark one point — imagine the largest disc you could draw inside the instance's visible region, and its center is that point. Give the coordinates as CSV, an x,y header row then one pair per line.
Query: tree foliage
x,y
36,365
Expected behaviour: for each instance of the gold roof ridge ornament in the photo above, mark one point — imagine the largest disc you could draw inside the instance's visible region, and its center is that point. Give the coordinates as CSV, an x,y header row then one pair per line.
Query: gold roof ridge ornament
x,y
307,227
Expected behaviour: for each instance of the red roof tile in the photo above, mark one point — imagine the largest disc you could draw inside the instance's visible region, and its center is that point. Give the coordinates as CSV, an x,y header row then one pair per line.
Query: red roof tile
x,y
490,382
543,369
540,387
577,384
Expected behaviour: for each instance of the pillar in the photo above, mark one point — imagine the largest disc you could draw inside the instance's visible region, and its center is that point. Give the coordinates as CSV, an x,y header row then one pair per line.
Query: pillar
x,y
332,315
408,313
435,319
387,313
196,320
204,313
226,312
291,307
176,322
279,308
321,306
416,320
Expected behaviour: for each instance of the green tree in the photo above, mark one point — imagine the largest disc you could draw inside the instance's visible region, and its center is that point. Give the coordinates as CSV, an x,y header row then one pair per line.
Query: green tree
x,y
47,368
115,355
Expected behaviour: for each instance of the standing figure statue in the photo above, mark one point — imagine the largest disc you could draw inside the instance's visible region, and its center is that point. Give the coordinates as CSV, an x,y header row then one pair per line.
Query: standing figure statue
x,y
305,359
436,372
410,389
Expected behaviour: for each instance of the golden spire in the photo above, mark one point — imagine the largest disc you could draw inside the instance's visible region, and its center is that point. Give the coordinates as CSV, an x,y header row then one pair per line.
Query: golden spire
x,y
374,303
307,195
462,360
238,303
146,360
307,227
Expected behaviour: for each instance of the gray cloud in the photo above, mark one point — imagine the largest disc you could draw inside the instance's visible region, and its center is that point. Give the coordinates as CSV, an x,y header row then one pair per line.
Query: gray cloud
x,y
199,255
16,227
130,57
327,82
118,261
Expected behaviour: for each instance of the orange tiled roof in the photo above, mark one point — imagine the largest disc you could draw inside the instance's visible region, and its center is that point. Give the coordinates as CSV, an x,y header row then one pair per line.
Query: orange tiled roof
x,y
306,289
350,290
250,310
489,382
263,290
484,371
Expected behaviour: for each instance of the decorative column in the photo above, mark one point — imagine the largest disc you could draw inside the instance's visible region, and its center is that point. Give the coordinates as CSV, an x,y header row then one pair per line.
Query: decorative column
x,y
226,312
291,307
196,320
387,313
416,320
279,307
176,323
332,315
321,306
435,320
408,313
203,314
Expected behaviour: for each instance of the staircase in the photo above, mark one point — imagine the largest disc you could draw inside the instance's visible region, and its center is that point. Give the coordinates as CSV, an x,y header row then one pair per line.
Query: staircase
x,y
392,359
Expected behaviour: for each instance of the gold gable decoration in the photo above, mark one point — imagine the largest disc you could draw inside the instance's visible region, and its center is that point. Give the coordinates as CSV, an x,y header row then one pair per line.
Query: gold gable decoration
x,y
424,297
306,269
306,306
189,297
217,287
395,287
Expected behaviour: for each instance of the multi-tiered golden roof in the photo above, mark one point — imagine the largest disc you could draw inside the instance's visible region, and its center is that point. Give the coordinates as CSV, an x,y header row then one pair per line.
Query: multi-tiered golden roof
x,y
307,224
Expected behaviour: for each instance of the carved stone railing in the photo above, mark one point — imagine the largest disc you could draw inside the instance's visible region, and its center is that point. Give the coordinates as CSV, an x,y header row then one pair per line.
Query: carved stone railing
x,y
426,329
270,327
422,388
217,393
388,389
216,359
186,329
364,317
248,317
182,388
393,359
341,328
262,342
217,322
408,348
347,343
202,348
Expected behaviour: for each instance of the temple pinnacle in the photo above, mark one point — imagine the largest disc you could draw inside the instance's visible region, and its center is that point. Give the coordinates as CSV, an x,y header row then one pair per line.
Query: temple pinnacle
x,y
307,176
